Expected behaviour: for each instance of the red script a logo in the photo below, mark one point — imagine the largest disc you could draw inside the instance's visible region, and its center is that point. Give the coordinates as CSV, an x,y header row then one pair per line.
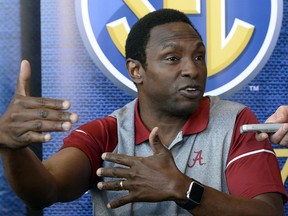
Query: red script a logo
x,y
198,159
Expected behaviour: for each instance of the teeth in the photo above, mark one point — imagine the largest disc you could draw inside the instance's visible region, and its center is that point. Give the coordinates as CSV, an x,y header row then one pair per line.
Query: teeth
x,y
190,89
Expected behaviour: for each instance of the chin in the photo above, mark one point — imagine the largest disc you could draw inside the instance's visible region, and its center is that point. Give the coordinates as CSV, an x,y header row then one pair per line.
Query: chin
x,y
185,110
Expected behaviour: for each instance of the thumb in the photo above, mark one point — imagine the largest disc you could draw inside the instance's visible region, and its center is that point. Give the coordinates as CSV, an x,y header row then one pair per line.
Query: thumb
x,y
23,79
281,115
155,141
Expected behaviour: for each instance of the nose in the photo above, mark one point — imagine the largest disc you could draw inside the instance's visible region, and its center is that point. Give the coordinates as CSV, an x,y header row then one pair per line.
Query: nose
x,y
189,68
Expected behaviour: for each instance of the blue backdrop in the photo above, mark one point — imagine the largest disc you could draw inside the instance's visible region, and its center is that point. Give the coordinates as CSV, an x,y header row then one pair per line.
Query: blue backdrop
x,y
10,56
69,73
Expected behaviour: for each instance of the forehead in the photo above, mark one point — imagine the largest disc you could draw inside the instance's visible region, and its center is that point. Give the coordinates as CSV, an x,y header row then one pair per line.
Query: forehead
x,y
171,32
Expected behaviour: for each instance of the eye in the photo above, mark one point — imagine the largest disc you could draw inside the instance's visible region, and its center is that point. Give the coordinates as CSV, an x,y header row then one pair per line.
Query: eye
x,y
200,58
172,59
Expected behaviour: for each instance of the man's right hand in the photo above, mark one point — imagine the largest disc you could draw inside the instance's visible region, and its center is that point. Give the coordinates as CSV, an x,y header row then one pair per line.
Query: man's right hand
x,y
27,117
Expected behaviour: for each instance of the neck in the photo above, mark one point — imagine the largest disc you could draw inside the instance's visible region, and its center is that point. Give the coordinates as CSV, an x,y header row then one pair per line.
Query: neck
x,y
169,126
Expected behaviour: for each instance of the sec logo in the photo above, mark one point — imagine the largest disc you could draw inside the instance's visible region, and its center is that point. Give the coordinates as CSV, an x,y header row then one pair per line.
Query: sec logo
x,y
239,37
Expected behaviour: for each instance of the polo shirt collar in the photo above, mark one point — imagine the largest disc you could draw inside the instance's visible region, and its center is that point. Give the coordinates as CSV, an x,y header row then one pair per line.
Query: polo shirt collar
x,y
196,123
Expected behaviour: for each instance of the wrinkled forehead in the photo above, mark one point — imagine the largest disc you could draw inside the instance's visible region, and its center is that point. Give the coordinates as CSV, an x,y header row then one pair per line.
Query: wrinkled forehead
x,y
171,32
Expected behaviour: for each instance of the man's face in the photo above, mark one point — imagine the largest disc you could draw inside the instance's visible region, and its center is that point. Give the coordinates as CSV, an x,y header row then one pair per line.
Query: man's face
x,y
176,72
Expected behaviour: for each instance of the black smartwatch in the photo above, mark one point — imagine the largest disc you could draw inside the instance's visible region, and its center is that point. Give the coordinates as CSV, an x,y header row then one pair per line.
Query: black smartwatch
x,y
194,195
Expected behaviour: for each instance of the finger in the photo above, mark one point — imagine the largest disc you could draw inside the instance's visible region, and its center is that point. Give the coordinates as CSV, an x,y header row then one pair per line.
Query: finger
x,y
281,135
119,158
115,172
48,114
284,141
112,185
155,141
261,136
23,79
38,102
40,126
34,137
120,202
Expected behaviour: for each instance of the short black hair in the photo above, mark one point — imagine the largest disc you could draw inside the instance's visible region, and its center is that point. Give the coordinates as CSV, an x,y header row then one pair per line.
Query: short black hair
x,y
140,32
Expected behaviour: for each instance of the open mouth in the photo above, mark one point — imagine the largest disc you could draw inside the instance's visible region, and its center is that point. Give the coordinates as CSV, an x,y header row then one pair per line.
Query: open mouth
x,y
190,92
190,89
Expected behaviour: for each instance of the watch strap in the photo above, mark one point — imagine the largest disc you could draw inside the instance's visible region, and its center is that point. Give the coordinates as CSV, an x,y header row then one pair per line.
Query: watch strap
x,y
190,204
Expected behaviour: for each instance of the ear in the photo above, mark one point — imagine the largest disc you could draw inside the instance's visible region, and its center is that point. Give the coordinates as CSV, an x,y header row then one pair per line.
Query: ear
x,y
135,70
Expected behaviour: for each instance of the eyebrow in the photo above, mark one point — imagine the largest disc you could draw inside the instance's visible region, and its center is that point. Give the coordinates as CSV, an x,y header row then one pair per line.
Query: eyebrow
x,y
176,46
172,45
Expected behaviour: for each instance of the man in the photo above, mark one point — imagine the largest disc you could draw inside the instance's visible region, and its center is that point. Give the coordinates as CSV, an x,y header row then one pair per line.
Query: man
x,y
168,143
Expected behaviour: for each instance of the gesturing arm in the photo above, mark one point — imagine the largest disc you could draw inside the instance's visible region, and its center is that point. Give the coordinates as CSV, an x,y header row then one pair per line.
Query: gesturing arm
x,y
23,122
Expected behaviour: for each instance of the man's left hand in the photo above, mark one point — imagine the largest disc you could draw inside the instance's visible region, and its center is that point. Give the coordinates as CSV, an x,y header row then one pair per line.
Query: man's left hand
x,y
151,179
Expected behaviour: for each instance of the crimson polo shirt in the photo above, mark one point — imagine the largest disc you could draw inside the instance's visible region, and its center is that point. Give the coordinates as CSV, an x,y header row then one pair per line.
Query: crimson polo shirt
x,y
99,136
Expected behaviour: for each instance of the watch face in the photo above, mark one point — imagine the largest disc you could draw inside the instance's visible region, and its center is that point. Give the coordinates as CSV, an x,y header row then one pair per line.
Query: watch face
x,y
196,192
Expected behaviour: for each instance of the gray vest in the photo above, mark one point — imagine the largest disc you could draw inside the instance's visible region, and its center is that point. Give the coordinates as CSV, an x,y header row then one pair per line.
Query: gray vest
x,y
201,156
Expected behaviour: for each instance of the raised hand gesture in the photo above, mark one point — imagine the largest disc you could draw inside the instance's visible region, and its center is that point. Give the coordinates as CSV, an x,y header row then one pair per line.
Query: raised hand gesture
x,y
27,117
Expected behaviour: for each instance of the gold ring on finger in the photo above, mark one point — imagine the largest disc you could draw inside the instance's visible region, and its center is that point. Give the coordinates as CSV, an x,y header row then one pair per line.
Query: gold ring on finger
x,y
121,184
